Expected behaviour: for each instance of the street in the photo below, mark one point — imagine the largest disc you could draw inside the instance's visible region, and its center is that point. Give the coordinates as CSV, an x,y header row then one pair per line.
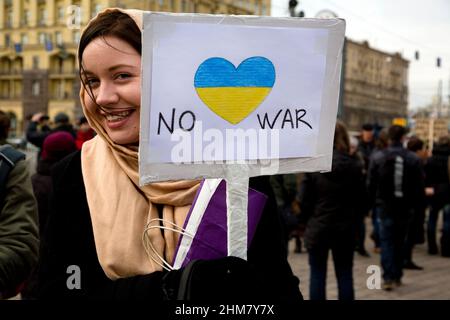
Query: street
x,y
432,283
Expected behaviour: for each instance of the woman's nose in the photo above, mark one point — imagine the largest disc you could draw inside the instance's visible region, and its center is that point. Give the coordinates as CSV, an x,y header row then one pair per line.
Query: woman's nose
x,y
106,94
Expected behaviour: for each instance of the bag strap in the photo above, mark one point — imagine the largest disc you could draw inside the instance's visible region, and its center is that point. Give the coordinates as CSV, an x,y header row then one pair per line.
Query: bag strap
x,y
8,159
10,154
184,289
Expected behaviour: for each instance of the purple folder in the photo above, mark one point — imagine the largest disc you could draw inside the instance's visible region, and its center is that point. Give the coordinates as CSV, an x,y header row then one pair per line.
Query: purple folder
x,y
210,221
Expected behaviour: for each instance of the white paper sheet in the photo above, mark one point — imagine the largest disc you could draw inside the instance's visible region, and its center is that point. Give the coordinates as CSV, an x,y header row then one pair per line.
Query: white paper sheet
x,y
306,55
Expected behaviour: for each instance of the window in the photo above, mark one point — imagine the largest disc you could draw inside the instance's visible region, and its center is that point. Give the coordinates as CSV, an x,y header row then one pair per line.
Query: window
x,y
35,62
13,124
7,40
24,38
264,10
58,38
26,17
61,13
59,90
36,88
42,37
96,9
76,37
42,16
183,6
9,17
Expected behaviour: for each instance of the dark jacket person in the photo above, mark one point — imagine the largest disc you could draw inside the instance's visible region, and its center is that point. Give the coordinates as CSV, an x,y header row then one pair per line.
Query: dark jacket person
x,y
331,204
19,237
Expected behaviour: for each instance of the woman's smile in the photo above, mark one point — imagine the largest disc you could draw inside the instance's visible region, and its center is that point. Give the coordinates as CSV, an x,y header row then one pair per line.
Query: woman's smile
x,y
116,120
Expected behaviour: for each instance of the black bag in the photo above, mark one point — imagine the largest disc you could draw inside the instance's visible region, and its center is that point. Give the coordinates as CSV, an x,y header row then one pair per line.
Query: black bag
x,y
219,280
8,159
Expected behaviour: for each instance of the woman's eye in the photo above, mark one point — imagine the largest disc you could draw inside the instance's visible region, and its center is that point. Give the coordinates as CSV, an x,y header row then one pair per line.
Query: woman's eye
x,y
123,76
92,82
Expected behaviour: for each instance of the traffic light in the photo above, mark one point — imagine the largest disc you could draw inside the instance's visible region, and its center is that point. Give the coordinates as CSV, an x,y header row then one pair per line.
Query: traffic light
x,y
292,4
416,55
438,62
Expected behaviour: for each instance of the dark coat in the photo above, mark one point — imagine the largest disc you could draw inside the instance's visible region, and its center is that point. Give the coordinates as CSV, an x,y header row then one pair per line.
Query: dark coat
x,y
42,186
412,181
69,241
436,173
365,149
332,202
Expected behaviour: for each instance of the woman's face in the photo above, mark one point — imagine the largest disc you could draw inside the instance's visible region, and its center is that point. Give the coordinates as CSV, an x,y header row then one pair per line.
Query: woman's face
x,y
112,69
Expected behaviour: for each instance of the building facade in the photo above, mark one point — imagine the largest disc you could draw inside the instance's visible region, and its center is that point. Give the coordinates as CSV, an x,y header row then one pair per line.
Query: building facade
x,y
431,128
375,86
39,39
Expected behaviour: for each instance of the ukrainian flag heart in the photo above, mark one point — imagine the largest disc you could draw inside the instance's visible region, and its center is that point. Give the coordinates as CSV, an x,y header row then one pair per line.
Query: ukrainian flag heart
x,y
233,93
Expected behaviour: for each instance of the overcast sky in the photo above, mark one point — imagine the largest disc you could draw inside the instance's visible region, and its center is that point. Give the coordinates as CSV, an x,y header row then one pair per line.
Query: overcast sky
x,y
403,26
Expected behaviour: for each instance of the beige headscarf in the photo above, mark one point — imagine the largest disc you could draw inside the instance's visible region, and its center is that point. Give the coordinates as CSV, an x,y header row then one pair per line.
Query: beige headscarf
x,y
119,208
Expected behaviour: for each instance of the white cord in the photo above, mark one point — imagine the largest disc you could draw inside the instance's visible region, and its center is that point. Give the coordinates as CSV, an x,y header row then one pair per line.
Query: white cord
x,y
149,246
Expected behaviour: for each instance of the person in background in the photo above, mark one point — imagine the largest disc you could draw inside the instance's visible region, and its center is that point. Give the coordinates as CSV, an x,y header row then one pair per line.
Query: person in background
x,y
366,143
437,172
331,204
56,146
381,143
365,148
285,187
44,123
62,123
415,233
19,235
38,129
396,186
84,132
37,135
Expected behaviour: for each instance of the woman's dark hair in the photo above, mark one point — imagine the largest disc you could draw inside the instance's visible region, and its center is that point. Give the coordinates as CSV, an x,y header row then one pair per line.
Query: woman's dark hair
x,y
341,139
110,23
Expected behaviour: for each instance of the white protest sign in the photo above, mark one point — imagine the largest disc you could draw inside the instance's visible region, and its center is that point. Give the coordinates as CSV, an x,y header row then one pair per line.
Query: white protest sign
x,y
220,90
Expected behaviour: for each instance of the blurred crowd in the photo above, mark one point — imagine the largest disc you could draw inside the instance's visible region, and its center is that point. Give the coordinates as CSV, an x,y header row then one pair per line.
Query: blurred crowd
x,y
22,219
40,127
382,176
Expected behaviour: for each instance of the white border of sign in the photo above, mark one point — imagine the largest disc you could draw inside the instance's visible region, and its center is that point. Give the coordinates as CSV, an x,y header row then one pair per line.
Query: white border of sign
x,y
321,162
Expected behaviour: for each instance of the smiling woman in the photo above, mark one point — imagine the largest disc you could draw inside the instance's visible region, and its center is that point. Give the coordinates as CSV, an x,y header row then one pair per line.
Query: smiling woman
x,y
111,73
99,210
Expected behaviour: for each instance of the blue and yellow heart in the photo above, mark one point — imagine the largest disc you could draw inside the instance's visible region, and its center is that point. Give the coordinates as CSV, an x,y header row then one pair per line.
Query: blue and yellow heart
x,y
233,93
